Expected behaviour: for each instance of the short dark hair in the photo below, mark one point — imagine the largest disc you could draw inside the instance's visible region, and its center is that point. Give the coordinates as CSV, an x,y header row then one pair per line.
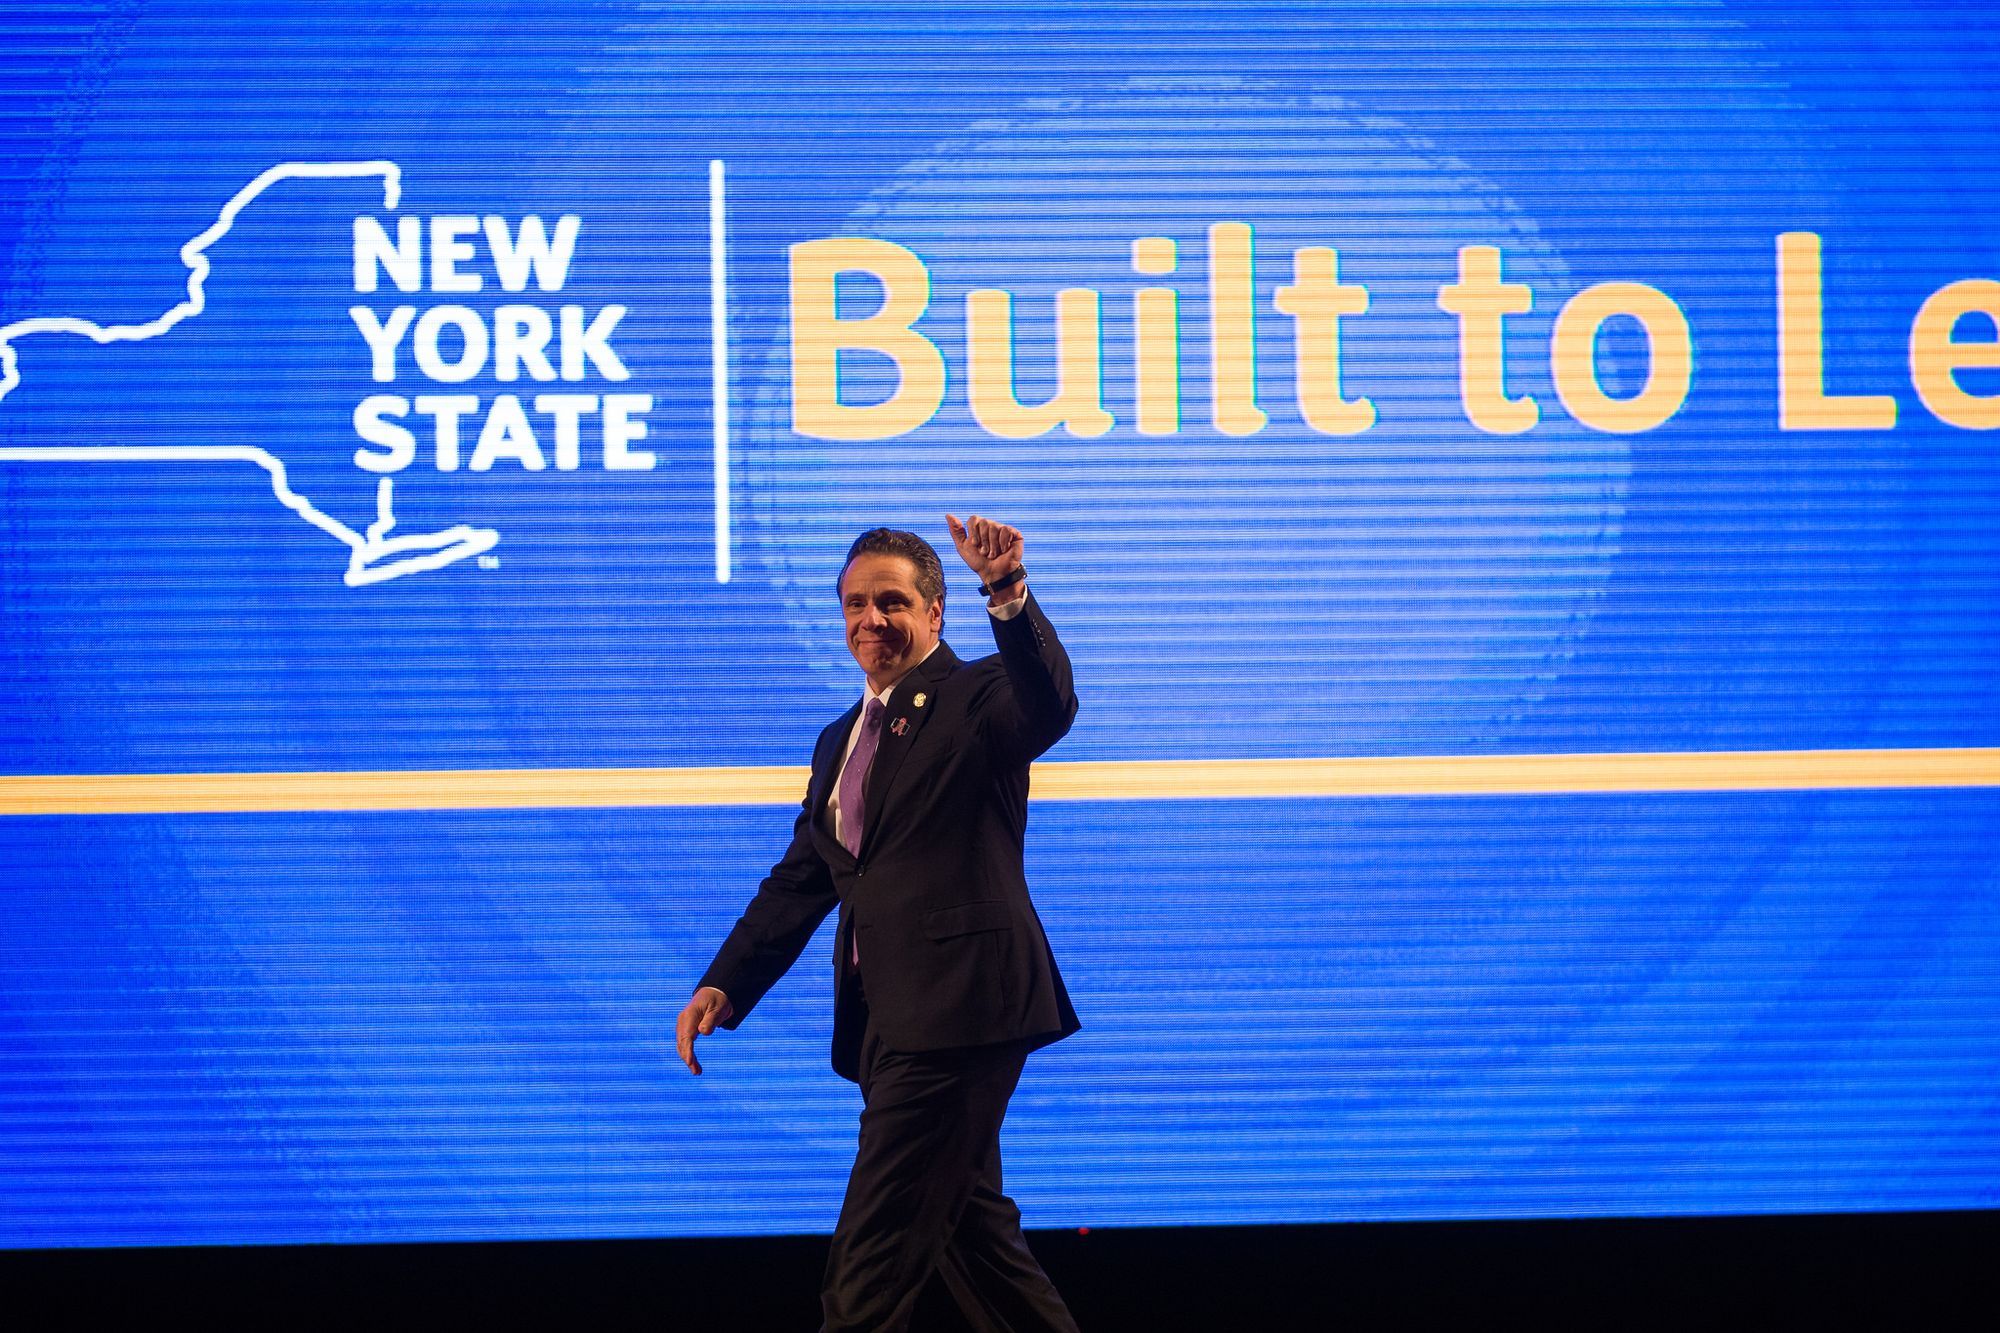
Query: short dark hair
x,y
894,541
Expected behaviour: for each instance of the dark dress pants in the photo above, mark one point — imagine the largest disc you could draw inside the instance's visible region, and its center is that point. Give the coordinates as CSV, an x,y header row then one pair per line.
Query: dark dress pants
x,y
924,1204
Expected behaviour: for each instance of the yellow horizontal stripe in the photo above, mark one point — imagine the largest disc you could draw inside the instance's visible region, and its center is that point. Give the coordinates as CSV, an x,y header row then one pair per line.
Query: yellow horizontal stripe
x,y
1193,779
420,789
1529,774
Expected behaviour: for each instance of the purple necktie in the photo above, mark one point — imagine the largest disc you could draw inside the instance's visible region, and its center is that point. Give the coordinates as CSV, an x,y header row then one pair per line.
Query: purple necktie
x,y
854,778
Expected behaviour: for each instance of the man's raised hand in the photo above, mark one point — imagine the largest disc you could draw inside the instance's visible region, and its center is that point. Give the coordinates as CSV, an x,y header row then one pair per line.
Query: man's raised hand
x,y
989,549
708,1007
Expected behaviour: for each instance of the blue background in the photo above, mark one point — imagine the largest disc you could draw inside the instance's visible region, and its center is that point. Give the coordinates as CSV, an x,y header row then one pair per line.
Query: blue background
x,y
226,1028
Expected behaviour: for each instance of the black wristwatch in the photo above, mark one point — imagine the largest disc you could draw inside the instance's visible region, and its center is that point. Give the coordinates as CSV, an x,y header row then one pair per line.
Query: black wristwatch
x,y
1005,581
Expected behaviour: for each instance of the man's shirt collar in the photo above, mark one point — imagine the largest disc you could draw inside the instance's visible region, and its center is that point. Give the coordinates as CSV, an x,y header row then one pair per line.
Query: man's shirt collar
x,y
867,694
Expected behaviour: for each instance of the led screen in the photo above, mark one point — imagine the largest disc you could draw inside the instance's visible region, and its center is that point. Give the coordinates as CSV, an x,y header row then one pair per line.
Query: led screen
x,y
1516,484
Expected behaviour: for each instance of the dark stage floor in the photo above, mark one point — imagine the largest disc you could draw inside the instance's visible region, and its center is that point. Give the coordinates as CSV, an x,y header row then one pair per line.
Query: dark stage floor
x,y
1913,1271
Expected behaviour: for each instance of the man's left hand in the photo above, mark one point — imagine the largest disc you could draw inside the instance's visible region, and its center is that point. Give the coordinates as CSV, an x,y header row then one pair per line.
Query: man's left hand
x,y
990,550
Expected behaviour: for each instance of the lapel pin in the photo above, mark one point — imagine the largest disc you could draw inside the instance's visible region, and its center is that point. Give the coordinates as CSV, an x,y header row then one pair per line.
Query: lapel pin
x,y
900,726
918,702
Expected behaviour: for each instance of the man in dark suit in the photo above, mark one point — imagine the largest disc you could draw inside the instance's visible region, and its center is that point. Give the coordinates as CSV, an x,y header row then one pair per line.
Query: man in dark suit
x,y
913,823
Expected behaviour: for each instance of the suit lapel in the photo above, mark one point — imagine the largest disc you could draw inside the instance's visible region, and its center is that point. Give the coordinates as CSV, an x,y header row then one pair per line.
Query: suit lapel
x,y
900,726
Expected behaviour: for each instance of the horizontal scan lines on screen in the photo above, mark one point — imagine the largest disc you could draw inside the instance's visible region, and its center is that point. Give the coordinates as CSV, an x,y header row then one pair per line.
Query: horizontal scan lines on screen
x,y
1142,780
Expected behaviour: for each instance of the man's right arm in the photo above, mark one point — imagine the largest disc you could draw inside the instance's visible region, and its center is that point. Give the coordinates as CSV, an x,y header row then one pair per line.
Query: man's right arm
x,y
766,940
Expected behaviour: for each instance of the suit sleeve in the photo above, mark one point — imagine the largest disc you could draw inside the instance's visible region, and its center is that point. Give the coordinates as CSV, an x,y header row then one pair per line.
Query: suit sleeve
x,y
777,925
1037,703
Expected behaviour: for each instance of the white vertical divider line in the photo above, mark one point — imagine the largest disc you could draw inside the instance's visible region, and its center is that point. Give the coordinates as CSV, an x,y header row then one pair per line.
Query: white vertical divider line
x,y
718,358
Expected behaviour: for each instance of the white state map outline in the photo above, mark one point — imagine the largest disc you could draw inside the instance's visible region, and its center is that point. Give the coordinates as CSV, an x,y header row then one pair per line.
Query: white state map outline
x,y
373,556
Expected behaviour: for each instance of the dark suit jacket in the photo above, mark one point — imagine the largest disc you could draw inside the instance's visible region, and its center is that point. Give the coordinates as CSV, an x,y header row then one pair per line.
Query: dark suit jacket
x,y
950,945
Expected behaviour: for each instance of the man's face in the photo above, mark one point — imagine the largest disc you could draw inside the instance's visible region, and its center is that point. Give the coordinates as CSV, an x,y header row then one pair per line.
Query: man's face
x,y
890,627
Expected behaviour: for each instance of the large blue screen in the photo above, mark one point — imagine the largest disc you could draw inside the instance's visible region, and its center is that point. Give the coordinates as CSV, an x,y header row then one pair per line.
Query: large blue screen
x,y
1517,485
